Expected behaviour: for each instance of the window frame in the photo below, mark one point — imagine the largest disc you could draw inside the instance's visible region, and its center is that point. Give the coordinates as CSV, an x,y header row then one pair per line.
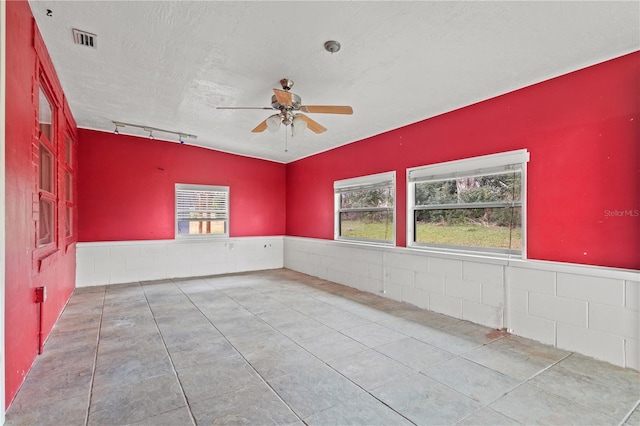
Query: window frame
x,y
469,167
373,181
51,146
211,188
68,161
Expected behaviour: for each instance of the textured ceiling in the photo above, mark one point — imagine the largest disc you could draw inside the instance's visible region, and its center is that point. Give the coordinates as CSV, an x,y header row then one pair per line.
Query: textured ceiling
x,y
169,64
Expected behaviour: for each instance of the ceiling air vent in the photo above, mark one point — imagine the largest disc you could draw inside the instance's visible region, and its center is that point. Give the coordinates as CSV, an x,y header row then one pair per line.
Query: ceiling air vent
x,y
85,39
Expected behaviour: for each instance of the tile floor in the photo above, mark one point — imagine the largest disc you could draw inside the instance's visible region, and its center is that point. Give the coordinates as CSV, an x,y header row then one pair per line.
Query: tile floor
x,y
279,347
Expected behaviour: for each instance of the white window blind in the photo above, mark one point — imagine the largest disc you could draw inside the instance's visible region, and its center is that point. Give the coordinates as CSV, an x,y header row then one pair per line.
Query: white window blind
x,y
365,182
202,210
477,166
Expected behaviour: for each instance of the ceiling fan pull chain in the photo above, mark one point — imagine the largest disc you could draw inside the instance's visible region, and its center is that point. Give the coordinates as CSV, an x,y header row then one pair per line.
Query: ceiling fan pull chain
x,y
285,140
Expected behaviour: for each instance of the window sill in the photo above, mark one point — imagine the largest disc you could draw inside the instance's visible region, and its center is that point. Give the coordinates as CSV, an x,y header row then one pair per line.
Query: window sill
x,y
43,257
492,257
366,242
200,237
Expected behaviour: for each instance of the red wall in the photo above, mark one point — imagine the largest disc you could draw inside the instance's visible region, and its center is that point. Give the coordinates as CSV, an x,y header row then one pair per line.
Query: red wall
x,y
126,187
25,268
582,131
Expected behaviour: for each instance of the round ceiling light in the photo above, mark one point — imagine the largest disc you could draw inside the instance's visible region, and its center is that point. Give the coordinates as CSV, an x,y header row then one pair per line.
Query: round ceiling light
x,y
331,46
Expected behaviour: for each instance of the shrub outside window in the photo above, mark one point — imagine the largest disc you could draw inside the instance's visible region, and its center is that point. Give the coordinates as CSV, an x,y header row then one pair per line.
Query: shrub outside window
x,y
365,208
474,204
202,210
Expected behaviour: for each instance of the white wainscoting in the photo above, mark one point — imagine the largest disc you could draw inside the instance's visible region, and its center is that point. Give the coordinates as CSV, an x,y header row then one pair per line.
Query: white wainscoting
x,y
586,309
116,262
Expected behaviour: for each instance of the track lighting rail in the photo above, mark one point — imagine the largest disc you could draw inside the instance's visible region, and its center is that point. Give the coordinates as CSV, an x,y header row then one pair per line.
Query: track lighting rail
x,y
150,129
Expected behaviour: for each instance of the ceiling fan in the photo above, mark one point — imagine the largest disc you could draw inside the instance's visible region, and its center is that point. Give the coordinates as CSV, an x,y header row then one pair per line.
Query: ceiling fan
x,y
288,104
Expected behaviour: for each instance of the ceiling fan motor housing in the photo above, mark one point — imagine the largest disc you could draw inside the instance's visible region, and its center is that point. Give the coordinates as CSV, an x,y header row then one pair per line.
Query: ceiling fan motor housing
x,y
296,102
286,84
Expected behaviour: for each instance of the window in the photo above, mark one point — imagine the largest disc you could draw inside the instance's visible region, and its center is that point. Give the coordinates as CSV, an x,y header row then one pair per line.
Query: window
x,y
45,117
68,187
46,174
202,210
365,208
473,204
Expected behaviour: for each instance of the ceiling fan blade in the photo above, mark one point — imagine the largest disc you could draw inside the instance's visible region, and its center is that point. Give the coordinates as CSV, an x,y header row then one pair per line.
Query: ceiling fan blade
x,y
260,127
283,97
312,125
327,109
244,108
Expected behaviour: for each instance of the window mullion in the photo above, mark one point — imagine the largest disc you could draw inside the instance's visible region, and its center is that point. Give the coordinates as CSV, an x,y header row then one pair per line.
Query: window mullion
x,y
468,205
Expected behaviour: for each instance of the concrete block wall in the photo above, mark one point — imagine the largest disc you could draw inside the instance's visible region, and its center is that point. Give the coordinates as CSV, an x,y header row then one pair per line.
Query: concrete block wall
x,y
100,263
462,287
586,309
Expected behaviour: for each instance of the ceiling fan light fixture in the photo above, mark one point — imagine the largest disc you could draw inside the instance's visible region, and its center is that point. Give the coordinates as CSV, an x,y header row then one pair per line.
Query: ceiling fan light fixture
x,y
288,104
273,123
298,125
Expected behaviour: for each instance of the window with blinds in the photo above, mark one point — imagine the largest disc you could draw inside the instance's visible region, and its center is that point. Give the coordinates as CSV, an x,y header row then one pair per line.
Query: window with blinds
x,y
474,204
365,208
202,210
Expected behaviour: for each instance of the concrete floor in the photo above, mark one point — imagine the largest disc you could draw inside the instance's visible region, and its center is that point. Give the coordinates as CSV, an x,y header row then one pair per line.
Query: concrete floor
x,y
279,347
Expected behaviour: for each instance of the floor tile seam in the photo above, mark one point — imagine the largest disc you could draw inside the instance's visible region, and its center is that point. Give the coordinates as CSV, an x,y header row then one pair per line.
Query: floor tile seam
x,y
589,407
571,401
352,381
240,354
487,405
355,384
310,353
483,404
388,405
374,397
630,413
95,361
523,382
490,408
173,367
554,395
381,324
428,343
407,365
318,321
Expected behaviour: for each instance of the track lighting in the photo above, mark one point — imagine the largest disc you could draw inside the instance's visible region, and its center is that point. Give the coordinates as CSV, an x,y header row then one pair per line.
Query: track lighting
x,y
181,135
